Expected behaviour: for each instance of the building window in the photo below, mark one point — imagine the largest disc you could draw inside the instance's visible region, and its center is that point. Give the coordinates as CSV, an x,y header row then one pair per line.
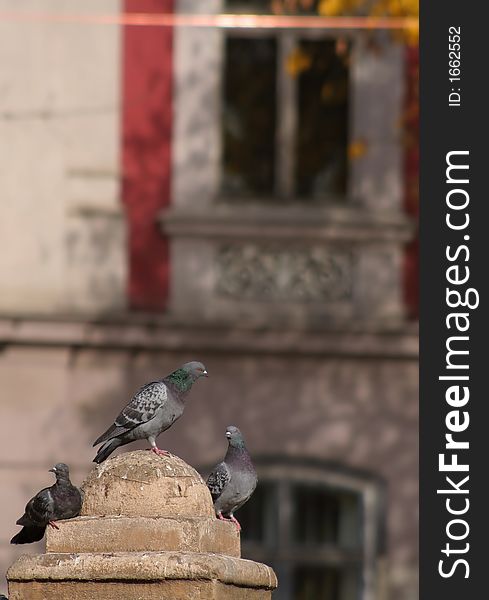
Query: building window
x,y
315,530
249,116
285,116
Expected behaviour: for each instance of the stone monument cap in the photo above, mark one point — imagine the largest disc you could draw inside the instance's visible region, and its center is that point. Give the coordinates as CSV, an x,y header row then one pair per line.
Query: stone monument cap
x,y
142,484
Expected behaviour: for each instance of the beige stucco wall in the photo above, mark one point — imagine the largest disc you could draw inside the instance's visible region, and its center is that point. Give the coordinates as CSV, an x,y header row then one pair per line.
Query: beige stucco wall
x,y
61,230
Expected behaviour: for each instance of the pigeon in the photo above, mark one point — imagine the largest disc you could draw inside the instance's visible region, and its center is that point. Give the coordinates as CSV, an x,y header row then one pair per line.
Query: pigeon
x,y
60,501
233,481
153,409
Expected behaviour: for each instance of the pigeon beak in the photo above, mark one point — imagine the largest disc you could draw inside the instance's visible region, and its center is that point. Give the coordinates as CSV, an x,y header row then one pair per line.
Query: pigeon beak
x,y
228,435
53,470
205,373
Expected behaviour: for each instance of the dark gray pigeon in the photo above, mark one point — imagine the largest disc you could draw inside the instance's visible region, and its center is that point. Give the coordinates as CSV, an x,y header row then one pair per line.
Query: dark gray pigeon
x,y
233,481
60,501
152,410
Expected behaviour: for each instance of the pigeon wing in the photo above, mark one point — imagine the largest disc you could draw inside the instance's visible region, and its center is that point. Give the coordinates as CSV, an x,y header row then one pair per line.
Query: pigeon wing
x,y
39,510
143,406
218,479
141,409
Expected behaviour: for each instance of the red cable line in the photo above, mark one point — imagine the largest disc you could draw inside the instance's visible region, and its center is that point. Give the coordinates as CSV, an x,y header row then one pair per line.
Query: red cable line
x,y
223,21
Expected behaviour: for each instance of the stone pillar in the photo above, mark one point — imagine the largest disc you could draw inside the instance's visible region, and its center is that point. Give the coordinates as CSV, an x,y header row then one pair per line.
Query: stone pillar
x,y
147,531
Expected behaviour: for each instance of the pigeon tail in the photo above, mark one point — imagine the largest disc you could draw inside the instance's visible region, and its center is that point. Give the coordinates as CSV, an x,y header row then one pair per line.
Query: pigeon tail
x,y
111,432
27,535
24,520
106,450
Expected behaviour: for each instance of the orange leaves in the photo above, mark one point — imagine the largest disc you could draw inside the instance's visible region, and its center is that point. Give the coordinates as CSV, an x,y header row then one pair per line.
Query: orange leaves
x,y
375,8
357,149
297,61
334,8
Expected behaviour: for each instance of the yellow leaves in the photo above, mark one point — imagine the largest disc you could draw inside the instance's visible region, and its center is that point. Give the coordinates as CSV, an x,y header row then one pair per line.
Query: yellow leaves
x,y
377,8
407,8
330,8
327,92
334,92
297,62
357,149
333,8
388,8
411,34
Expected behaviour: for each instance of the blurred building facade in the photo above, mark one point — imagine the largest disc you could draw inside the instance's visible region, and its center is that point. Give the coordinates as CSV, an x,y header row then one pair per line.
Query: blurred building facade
x,y
232,196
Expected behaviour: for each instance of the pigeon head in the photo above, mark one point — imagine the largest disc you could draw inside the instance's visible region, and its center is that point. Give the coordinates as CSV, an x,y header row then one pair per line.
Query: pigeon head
x,y
234,436
195,370
61,471
184,377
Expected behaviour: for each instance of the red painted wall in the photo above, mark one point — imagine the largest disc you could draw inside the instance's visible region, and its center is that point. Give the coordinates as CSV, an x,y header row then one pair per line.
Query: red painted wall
x,y
146,148
411,178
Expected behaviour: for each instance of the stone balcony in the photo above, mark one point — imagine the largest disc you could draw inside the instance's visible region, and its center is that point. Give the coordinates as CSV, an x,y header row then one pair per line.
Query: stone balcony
x,y
303,268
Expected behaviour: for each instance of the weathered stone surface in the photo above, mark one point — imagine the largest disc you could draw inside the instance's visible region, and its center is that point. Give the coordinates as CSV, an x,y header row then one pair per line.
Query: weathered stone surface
x,y
141,484
142,566
110,534
73,258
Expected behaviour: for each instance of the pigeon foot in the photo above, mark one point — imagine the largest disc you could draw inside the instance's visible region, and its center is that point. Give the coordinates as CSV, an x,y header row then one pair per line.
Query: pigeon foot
x,y
53,524
231,520
160,452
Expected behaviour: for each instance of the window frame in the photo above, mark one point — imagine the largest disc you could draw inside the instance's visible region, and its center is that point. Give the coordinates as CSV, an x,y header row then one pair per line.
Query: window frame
x,y
286,111
287,473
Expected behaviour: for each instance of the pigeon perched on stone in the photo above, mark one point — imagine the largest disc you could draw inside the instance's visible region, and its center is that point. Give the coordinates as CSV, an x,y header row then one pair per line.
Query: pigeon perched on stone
x,y
154,408
233,481
60,501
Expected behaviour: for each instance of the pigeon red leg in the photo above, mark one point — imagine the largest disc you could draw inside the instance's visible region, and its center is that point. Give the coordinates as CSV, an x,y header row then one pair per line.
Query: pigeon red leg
x,y
236,522
155,449
158,451
53,524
